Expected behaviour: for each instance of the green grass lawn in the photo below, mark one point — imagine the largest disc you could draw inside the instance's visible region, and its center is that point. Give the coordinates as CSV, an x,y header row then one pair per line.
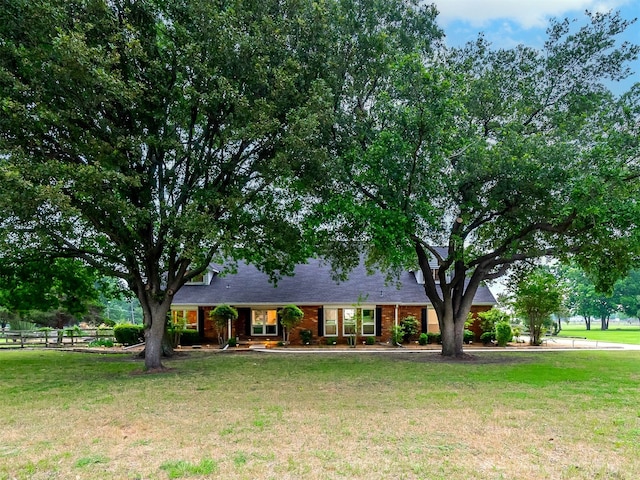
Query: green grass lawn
x,y
501,415
617,333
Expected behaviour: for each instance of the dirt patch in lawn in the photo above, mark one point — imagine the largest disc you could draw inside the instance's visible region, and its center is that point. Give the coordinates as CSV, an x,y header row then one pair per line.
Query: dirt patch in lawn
x,y
467,358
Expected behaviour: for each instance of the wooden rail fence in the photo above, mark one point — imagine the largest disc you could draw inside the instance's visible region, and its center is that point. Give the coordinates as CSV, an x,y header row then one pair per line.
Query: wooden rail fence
x,y
53,337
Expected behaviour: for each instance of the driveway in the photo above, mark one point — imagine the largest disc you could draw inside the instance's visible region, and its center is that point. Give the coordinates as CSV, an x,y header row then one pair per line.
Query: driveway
x,y
571,343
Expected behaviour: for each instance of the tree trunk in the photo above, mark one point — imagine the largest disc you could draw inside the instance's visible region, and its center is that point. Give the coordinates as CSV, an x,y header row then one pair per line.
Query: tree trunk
x,y
587,322
452,334
604,322
535,329
154,335
447,335
452,300
459,333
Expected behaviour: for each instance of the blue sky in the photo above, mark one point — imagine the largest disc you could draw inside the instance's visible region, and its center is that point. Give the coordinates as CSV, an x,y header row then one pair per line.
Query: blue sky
x,y
506,23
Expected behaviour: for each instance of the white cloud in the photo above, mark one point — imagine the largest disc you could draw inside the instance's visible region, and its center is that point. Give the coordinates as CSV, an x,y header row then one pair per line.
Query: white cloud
x,y
526,13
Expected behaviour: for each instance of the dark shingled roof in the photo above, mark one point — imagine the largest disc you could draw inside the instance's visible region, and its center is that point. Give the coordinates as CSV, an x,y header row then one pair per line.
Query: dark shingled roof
x,y
311,284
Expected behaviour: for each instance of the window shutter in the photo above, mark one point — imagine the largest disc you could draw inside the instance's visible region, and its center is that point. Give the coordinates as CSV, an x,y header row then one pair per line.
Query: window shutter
x,y
320,322
424,320
378,321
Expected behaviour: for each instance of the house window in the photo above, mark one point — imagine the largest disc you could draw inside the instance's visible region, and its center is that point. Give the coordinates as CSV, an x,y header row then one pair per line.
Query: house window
x,y
363,319
368,321
185,318
264,322
199,279
330,322
348,321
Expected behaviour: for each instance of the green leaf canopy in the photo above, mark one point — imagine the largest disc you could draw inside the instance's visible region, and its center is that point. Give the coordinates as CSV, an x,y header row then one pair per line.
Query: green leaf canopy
x,y
478,159
144,137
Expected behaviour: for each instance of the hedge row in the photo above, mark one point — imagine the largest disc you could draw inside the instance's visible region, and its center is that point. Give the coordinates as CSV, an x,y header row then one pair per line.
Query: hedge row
x,y
128,334
189,337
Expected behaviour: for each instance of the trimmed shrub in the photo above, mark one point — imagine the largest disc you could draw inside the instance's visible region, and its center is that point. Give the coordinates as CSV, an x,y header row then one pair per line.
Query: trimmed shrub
x,y
423,339
410,327
489,319
128,334
397,334
468,336
370,340
232,342
504,333
487,337
222,314
306,336
189,336
433,337
290,317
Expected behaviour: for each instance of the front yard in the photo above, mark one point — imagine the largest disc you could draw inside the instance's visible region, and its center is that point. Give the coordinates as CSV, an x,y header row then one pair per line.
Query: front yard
x,y
261,415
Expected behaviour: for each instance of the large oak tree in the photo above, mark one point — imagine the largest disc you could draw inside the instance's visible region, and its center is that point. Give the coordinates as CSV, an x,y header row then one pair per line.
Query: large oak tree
x,y
144,137
483,158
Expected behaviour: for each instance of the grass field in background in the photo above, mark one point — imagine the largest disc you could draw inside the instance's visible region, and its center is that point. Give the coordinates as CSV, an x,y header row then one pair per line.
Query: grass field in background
x,y
618,332
555,415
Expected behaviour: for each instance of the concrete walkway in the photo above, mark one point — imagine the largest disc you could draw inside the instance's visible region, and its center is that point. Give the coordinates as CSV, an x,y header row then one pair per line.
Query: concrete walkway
x,y
551,344
581,343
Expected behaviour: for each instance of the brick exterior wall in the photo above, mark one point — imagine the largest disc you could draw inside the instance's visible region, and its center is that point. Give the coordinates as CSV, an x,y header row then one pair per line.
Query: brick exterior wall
x,y
310,322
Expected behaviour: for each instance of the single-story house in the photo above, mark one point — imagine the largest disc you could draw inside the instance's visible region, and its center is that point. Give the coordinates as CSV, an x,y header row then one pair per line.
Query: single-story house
x,y
330,307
